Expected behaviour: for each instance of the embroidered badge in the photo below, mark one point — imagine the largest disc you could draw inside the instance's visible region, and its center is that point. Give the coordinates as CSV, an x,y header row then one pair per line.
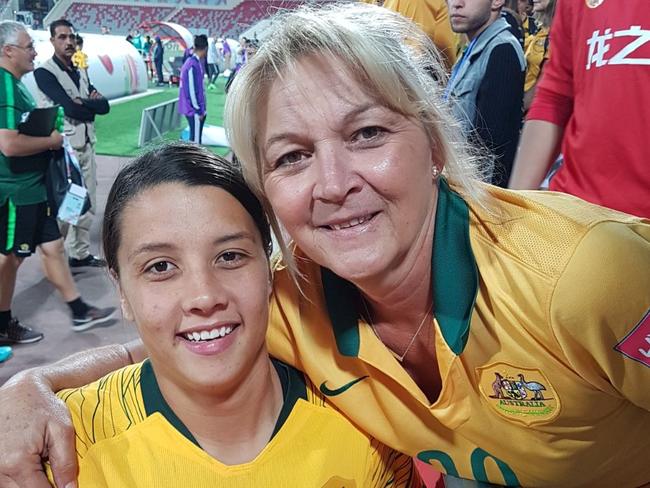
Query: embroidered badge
x,y
636,345
516,393
594,3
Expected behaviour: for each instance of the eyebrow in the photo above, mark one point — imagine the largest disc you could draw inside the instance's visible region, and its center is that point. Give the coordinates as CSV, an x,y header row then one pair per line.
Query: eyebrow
x,y
165,246
355,112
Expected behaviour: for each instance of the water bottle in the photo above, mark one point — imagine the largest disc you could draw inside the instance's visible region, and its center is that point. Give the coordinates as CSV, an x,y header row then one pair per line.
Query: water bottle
x,y
59,120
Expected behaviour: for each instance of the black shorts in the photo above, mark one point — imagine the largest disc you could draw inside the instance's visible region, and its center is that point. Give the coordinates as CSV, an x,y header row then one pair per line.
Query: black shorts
x,y
24,227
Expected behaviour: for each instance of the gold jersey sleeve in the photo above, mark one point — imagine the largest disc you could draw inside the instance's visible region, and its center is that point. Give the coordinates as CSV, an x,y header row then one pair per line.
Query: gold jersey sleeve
x,y
605,329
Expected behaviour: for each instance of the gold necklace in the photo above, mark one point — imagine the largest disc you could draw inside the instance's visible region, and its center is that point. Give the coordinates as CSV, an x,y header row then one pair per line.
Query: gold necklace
x,y
408,348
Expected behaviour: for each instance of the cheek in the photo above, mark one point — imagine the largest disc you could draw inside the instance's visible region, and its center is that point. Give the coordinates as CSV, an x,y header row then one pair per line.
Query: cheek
x,y
289,198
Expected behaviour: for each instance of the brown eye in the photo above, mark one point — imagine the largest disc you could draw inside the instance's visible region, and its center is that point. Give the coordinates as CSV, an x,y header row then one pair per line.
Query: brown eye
x,y
289,158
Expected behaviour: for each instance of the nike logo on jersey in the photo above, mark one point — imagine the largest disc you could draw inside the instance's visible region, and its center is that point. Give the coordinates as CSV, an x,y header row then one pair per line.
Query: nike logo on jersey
x,y
337,391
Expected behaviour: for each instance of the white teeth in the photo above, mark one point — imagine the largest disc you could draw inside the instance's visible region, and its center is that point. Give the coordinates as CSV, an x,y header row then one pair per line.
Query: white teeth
x,y
350,223
206,335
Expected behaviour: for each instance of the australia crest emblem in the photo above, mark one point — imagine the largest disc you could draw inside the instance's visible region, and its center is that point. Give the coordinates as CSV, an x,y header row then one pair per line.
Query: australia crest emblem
x,y
521,394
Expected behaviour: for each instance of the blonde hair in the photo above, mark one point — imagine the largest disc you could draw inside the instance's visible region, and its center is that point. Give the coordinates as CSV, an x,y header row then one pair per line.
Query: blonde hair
x,y
395,62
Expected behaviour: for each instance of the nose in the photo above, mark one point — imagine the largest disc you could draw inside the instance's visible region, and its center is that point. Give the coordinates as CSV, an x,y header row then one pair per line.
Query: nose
x,y
203,293
334,173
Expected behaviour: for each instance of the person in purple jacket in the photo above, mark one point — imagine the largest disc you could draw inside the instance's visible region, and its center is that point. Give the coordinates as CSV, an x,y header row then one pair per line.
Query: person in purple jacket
x,y
191,98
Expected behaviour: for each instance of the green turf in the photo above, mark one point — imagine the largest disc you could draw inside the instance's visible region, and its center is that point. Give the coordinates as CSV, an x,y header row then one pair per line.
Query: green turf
x,y
117,132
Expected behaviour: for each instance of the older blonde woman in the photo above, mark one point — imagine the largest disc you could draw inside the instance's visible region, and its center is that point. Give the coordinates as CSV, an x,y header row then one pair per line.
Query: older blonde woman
x,y
490,333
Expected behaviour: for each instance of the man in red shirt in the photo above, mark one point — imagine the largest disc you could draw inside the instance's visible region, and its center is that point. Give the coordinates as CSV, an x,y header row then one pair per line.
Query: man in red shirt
x,y
592,103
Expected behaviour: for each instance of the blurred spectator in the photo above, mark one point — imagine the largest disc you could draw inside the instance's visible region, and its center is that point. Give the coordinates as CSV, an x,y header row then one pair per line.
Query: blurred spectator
x,y
511,15
60,83
191,98
487,83
433,18
528,23
249,51
593,100
158,54
146,53
105,30
213,63
537,52
26,221
226,52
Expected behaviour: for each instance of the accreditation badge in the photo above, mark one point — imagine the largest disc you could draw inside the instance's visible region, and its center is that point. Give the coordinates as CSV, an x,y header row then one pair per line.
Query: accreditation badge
x,y
519,394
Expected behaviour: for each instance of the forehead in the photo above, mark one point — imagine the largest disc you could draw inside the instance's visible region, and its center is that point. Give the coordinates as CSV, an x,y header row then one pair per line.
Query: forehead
x,y
315,86
62,30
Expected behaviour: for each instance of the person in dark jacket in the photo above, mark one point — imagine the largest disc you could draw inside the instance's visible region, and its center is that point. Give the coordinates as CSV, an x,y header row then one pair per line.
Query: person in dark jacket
x,y
158,53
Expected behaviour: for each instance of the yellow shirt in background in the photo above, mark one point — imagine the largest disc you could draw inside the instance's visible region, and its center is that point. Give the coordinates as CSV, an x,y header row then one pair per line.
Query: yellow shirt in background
x,y
536,54
433,18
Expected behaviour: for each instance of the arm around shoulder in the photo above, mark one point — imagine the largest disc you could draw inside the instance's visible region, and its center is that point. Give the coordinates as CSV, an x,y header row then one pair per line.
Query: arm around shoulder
x,y
36,424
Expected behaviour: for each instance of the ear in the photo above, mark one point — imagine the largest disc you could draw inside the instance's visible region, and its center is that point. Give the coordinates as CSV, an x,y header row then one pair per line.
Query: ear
x,y
127,311
498,4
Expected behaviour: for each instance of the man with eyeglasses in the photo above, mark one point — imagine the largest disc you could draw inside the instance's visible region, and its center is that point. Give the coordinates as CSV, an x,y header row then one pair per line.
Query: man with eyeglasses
x,y
61,83
26,221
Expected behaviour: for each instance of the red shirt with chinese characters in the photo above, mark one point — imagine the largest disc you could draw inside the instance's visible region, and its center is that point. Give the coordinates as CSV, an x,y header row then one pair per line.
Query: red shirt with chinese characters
x,y
597,86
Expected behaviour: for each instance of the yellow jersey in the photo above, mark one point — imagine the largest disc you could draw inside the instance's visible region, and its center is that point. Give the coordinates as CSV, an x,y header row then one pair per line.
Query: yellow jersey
x,y
433,18
536,54
542,331
128,436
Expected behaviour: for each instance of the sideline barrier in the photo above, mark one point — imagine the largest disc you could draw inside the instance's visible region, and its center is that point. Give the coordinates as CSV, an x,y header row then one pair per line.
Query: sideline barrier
x,y
158,119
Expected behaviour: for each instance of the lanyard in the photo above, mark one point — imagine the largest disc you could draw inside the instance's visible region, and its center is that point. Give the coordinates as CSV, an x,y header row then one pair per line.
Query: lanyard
x,y
457,66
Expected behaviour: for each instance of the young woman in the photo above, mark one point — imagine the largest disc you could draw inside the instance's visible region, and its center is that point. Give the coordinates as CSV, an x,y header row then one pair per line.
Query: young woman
x,y
537,50
188,245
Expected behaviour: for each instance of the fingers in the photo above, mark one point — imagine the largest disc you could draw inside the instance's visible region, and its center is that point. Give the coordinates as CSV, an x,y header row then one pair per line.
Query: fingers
x,y
31,418
20,471
60,445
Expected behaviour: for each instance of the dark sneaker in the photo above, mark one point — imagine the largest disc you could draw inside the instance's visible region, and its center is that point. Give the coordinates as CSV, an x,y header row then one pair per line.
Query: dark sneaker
x,y
89,260
17,333
94,316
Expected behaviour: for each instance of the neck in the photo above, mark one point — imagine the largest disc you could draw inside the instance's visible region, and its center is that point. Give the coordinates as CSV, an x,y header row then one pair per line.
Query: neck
x,y
473,34
10,68
232,426
402,299
66,61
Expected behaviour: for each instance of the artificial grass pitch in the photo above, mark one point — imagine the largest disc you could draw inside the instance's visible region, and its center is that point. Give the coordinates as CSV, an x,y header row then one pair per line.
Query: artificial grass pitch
x,y
117,131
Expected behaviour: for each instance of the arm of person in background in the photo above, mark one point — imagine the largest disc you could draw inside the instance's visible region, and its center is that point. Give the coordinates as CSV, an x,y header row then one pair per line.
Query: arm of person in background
x,y
99,103
49,85
551,108
498,107
13,144
35,424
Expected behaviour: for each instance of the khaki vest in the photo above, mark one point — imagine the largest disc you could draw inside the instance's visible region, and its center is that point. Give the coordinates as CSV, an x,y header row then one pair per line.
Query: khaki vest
x,y
77,131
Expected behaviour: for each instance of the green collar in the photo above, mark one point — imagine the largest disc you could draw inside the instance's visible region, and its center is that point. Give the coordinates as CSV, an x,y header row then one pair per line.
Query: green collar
x,y
293,388
454,277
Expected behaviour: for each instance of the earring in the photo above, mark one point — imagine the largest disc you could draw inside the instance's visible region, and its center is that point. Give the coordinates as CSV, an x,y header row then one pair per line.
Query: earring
x,y
435,172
